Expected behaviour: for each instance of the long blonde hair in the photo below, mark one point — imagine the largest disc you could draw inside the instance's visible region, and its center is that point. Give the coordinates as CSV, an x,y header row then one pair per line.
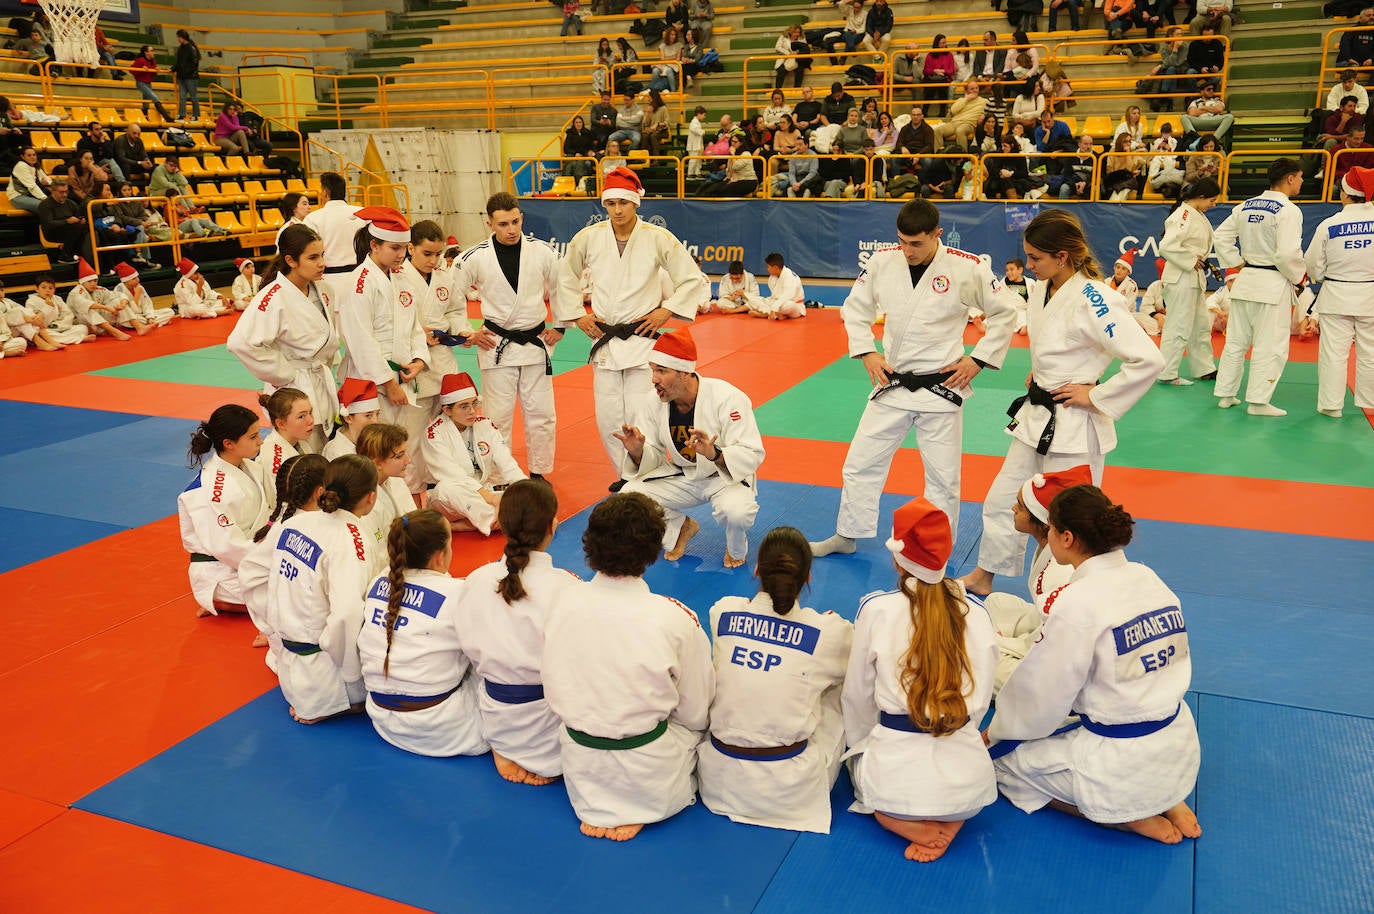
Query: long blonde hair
x,y
935,664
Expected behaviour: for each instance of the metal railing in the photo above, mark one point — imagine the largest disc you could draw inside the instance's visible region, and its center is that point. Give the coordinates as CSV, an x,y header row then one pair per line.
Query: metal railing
x,y
1327,76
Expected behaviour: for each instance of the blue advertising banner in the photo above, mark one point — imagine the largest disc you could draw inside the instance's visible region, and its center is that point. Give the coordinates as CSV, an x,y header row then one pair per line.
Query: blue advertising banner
x,y
833,240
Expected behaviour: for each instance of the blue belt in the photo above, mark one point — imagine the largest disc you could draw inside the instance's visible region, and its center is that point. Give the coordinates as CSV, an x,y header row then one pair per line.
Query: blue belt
x,y
514,694
1128,731
411,702
902,722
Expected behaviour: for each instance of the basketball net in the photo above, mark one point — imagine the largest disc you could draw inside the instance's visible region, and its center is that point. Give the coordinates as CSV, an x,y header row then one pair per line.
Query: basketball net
x,y
73,29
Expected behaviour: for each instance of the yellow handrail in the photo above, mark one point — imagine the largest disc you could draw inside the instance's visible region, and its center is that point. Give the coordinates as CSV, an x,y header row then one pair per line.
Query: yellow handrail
x,y
1269,155
1329,69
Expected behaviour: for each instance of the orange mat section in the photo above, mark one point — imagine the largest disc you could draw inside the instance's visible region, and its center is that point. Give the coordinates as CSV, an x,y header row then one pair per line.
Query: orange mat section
x,y
1310,509
82,862
20,815
132,395
179,336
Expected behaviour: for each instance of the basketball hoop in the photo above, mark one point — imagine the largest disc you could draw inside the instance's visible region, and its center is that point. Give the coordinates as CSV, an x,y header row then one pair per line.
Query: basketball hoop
x,y
73,30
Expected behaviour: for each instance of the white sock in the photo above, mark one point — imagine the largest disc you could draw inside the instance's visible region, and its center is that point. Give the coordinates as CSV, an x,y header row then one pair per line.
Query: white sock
x,y
836,544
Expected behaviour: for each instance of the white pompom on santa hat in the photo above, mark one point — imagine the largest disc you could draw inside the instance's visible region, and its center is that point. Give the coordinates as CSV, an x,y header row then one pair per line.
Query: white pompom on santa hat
x,y
358,396
921,541
1038,491
455,388
385,223
676,350
84,271
186,267
622,184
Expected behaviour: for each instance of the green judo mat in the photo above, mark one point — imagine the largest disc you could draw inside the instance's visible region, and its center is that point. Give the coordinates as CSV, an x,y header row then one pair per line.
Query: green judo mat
x,y
1178,429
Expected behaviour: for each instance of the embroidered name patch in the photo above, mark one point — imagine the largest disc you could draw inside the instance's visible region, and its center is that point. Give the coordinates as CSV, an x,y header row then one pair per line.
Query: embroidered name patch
x,y
781,632
421,599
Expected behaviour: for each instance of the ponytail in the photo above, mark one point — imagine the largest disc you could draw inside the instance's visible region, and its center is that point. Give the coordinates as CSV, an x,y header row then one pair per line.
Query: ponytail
x,y
347,481
528,509
229,422
362,242
412,542
292,243
297,481
784,567
936,663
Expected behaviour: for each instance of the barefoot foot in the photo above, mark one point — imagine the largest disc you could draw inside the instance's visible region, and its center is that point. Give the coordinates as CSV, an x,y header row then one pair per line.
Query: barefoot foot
x,y
518,774
1184,820
732,562
978,582
301,720
1157,828
615,833
260,640
689,530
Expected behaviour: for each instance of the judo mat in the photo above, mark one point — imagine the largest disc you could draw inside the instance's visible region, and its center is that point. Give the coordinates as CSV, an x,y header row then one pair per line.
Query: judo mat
x,y
152,766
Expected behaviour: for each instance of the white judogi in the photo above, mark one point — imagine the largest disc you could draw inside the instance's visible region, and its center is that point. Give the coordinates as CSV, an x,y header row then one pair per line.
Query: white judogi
x,y
255,571
426,661
379,325
1151,302
10,345
679,481
1264,233
1114,650
140,305
17,318
506,644
315,599
1219,309
519,372
618,662
461,464
193,302
275,451
1018,622
1074,337
786,297
336,225
242,291
80,301
1019,324
1339,258
393,500
704,302
440,307
625,288
286,338
58,318
340,446
218,514
923,333
777,683
1187,237
748,286
909,774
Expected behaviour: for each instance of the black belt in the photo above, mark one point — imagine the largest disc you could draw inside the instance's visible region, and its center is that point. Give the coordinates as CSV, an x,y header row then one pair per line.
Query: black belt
x,y
202,557
1338,279
341,269
614,332
530,337
1263,266
300,648
914,382
1038,396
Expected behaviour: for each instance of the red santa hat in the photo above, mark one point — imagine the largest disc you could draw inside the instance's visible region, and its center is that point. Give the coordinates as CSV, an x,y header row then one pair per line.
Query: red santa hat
x,y
1359,182
358,396
84,271
1128,258
456,388
622,184
1160,263
450,241
1231,273
387,223
1038,491
241,262
921,540
125,272
186,268
676,350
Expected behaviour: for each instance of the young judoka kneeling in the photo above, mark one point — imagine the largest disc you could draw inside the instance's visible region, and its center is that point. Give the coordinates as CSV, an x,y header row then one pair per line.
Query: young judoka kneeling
x,y
697,441
629,673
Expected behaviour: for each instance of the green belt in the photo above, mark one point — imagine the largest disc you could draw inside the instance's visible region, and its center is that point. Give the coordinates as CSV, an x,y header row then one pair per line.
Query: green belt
x,y
202,557
628,742
398,368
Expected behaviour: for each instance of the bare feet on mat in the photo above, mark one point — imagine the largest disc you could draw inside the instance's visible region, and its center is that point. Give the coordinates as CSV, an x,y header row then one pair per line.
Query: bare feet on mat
x,y
1157,828
689,530
260,640
301,720
1184,820
978,582
926,853
732,562
517,774
615,833
928,839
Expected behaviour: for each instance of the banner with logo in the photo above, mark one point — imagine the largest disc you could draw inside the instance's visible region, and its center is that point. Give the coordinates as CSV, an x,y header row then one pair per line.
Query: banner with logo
x,y
833,240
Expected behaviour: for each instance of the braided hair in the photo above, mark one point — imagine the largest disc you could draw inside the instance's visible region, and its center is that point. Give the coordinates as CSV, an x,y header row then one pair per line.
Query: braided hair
x,y
527,511
412,542
297,481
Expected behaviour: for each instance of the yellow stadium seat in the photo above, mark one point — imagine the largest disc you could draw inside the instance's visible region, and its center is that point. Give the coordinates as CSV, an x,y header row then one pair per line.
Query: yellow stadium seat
x,y
257,167
191,167
110,117
134,115
214,165
237,165
66,139
1172,119
1070,121
225,219
254,188
1099,125
203,142
43,140
81,115
235,191
563,185
270,217
312,187
207,193
297,185
276,187
153,141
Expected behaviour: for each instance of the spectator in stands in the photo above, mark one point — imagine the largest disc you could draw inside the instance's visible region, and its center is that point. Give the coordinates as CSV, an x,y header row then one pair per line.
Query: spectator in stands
x,y
1024,15
835,106
63,222
572,19
1208,113
807,113
915,139
1020,44
990,61
791,43
1007,175
1052,134
35,47
691,58
1165,175
603,119
937,71
1076,171
963,61
144,69
1348,85
656,131
294,208
987,135
803,176
1356,48
1204,166
670,52
101,148
702,17
186,69
884,136
13,138
132,212
905,73
1361,153
167,179
28,182
853,30
878,27
964,115
131,155
836,173
940,178
728,128
111,229
696,141
579,149
1173,61
1207,57
758,139
1215,15
1019,132
852,132
629,119
624,70
1336,129
104,50
1029,105
741,179
604,57
787,139
868,112
230,135
612,159
675,14
1133,124
84,177
1117,16
1123,172
777,107
1069,6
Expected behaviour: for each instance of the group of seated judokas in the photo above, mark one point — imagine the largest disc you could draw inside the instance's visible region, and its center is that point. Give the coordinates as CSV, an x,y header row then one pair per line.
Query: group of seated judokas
x,y
738,292
619,691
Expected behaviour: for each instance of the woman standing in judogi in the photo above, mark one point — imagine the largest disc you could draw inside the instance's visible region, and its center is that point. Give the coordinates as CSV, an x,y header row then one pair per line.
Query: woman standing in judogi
x,y
1114,651
1185,247
222,507
286,337
776,731
1078,327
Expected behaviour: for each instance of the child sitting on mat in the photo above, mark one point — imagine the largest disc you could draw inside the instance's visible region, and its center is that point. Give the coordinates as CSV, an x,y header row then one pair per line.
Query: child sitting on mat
x,y
63,327
246,284
918,684
293,420
359,406
194,296
385,445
